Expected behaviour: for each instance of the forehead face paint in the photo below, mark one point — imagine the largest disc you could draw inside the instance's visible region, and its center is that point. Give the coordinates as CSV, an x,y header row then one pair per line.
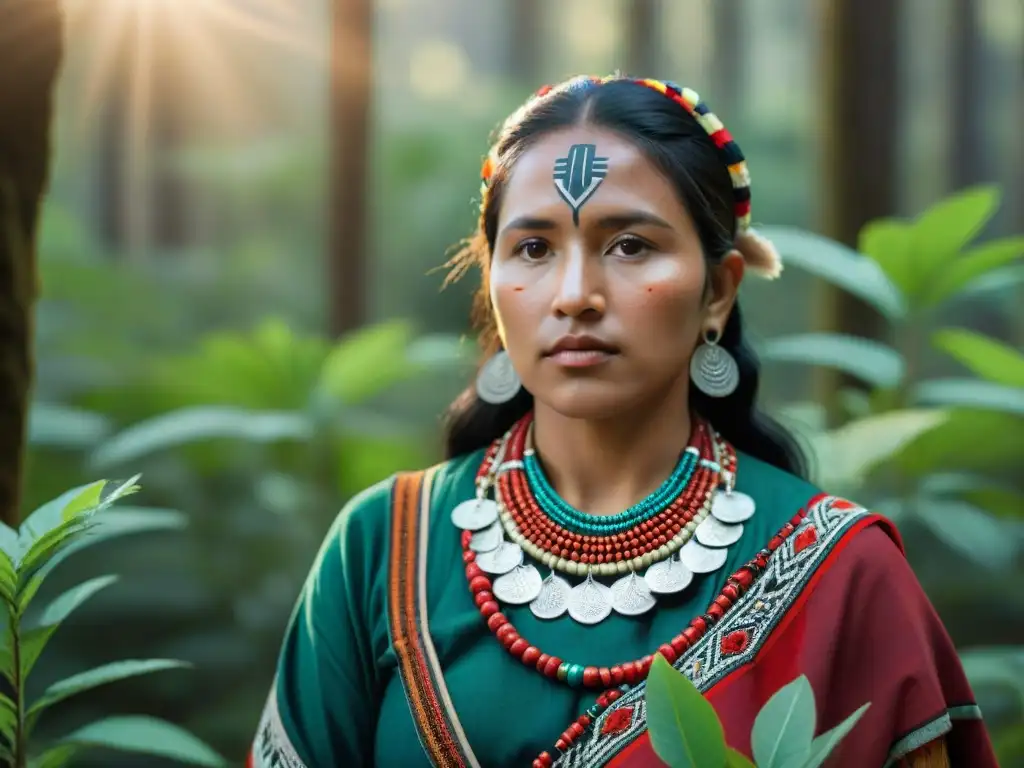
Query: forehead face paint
x,y
578,175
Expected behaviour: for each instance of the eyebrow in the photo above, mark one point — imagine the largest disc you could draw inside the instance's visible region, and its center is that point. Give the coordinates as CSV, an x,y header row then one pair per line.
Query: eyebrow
x,y
612,221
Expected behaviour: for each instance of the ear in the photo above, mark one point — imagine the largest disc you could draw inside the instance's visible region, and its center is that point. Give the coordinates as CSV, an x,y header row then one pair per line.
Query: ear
x,y
724,281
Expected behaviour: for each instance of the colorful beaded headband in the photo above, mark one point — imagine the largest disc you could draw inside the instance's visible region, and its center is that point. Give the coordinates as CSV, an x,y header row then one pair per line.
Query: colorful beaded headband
x,y
759,254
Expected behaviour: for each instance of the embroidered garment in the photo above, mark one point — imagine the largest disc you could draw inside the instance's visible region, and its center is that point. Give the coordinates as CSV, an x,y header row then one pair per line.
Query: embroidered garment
x,y
377,641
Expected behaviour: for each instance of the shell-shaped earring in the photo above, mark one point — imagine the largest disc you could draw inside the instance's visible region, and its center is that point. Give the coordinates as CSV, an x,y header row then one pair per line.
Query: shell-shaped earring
x,y
497,382
712,369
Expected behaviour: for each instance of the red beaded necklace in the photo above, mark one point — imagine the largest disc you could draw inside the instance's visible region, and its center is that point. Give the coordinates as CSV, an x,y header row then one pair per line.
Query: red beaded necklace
x,y
647,538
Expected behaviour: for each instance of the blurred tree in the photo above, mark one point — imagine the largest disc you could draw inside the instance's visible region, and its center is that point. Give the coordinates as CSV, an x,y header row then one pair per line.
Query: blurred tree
x,y
31,39
966,158
729,61
642,33
860,45
351,103
525,37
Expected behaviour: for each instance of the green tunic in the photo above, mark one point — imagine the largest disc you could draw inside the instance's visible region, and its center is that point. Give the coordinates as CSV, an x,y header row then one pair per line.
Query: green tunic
x,y
338,699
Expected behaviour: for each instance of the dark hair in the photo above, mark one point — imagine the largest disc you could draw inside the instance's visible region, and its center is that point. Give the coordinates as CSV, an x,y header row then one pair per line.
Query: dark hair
x,y
673,140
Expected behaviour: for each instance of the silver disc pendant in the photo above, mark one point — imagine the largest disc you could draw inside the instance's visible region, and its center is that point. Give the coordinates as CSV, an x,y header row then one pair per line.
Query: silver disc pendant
x,y
518,586
475,514
668,577
734,507
714,371
590,602
699,558
497,381
631,596
487,539
501,559
714,533
553,599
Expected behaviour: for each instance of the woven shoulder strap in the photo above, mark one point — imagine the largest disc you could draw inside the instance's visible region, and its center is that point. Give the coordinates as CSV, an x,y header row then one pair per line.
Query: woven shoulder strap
x,y
429,703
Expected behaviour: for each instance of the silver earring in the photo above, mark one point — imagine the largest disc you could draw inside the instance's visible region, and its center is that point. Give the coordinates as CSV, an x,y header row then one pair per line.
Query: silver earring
x,y
497,382
712,369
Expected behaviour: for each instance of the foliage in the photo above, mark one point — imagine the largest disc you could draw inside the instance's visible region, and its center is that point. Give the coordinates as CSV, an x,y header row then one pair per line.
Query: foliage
x,y
686,733
27,556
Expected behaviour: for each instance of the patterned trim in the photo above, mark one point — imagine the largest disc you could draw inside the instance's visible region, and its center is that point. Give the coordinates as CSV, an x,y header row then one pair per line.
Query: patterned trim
x,y
437,725
272,748
930,731
736,639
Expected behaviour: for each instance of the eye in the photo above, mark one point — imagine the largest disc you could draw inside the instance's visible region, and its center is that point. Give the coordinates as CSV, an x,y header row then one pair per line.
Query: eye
x,y
631,247
532,250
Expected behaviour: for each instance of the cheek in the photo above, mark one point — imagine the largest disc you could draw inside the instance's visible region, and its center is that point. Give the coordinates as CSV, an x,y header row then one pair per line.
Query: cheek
x,y
667,294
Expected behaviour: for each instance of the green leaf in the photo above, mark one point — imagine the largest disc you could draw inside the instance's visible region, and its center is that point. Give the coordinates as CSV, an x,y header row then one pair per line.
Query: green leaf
x,y
64,427
88,498
996,667
969,393
942,231
8,718
784,728
93,678
964,273
57,757
846,455
47,517
367,362
50,545
198,424
9,542
983,356
67,602
977,536
888,243
838,265
146,735
822,746
870,361
684,729
735,759
1001,503
968,441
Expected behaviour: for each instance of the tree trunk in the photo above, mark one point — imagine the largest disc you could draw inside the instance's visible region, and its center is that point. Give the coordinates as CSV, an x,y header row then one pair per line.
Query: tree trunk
x,y
642,38
525,42
32,44
728,62
861,101
965,157
351,101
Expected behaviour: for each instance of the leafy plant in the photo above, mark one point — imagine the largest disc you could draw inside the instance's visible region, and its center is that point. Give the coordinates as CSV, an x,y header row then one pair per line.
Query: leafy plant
x,y
686,733
27,556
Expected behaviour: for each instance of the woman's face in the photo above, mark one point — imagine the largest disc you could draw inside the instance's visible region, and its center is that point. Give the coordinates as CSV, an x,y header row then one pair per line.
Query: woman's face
x,y
598,280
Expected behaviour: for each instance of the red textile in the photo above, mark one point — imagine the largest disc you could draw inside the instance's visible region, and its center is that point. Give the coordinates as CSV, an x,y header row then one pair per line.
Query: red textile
x,y
862,630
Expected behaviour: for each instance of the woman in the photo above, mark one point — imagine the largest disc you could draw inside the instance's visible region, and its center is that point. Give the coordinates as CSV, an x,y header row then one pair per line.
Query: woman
x,y
611,493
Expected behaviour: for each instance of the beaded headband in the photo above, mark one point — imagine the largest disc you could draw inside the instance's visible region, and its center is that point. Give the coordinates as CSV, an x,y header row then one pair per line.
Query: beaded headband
x,y
758,253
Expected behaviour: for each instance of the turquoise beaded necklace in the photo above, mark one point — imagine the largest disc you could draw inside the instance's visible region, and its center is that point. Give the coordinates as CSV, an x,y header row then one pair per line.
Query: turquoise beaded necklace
x,y
576,521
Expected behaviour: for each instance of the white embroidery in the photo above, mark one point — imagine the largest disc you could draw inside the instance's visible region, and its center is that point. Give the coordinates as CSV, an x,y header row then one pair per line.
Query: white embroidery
x,y
272,747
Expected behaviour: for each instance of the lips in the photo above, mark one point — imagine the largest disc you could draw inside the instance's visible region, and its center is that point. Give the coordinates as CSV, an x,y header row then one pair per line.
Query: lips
x,y
582,344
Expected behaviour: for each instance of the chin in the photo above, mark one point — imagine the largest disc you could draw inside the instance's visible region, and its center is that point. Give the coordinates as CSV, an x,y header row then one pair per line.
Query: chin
x,y
588,400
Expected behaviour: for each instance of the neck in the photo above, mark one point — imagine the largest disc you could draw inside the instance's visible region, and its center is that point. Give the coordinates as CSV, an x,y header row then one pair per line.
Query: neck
x,y
605,466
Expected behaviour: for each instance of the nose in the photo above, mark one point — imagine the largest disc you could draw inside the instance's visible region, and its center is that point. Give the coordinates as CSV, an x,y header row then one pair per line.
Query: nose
x,y
580,288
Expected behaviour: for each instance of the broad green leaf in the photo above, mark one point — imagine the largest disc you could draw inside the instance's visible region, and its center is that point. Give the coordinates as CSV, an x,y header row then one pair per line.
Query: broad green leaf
x,y
93,678
784,728
942,231
67,602
979,537
46,518
9,541
198,424
970,393
684,729
846,455
88,499
968,441
57,757
367,362
65,427
33,642
734,759
996,667
146,735
120,521
822,746
967,272
838,265
49,545
8,717
995,498
1002,503
870,361
888,242
983,356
